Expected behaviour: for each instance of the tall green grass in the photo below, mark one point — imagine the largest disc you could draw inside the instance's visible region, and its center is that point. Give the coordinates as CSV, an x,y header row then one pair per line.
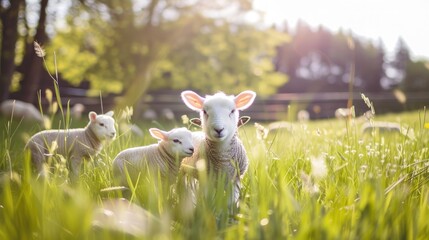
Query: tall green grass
x,y
375,188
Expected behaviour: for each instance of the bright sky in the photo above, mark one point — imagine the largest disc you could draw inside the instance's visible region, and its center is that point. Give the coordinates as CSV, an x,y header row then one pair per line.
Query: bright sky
x,y
372,19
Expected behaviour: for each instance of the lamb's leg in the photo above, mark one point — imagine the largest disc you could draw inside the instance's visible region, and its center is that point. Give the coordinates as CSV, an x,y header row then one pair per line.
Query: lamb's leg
x,y
119,173
75,165
38,159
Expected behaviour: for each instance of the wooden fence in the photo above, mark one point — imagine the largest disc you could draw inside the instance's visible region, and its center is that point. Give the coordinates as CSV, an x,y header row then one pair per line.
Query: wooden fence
x,y
279,106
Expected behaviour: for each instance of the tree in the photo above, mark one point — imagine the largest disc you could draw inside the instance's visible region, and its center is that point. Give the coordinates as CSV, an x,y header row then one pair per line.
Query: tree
x,y
402,59
417,77
226,56
369,67
9,24
124,47
31,66
317,60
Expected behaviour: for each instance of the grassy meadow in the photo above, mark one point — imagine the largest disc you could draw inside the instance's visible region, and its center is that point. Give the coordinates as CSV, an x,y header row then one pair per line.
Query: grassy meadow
x,y
317,180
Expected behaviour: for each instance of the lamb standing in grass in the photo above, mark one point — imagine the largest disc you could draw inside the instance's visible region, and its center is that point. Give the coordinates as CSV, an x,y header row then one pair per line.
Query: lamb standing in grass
x,y
165,156
218,144
73,144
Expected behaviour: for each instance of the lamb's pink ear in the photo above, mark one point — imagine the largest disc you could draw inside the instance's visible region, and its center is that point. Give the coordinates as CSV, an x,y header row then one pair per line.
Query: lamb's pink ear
x,y
244,99
158,134
92,116
192,100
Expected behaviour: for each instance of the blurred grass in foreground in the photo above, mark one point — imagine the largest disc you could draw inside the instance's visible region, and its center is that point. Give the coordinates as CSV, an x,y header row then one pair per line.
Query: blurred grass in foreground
x,y
368,186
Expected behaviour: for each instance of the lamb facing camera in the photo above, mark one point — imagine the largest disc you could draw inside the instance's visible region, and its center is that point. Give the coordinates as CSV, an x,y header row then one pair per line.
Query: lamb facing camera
x,y
218,144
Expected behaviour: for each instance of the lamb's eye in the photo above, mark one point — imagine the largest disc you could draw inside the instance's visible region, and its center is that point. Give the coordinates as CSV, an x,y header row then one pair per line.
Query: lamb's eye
x,y
205,112
232,112
101,124
177,141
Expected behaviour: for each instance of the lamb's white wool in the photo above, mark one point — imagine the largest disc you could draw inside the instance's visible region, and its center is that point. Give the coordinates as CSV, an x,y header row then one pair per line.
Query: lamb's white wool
x,y
73,144
21,110
281,125
164,156
384,127
219,145
381,126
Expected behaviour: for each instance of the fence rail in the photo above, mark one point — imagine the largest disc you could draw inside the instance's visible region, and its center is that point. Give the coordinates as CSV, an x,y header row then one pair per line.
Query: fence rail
x,y
276,107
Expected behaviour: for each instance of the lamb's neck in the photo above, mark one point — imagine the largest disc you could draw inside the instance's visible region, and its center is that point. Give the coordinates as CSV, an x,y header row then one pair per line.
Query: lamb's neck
x,y
221,147
167,157
94,142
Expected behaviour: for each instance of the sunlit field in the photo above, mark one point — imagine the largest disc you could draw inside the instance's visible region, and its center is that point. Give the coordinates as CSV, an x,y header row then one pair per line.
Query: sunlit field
x,y
315,180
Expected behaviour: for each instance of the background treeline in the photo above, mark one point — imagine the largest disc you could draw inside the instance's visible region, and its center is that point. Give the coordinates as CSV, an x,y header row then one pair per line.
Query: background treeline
x,y
318,60
130,47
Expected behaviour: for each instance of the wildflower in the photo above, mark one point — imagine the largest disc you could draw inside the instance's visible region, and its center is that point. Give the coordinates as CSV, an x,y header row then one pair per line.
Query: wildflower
x,y
308,185
363,168
318,167
261,131
264,221
127,113
185,119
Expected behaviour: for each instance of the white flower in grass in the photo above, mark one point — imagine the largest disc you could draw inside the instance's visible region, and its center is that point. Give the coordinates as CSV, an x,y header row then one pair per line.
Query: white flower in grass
x,y
318,167
363,169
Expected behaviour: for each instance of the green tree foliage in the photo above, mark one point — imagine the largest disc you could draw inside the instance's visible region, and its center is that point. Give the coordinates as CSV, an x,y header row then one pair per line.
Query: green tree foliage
x,y
417,78
124,47
224,56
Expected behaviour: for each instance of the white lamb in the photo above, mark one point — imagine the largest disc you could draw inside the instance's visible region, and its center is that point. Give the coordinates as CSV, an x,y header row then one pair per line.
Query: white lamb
x,y
218,144
164,156
73,144
21,110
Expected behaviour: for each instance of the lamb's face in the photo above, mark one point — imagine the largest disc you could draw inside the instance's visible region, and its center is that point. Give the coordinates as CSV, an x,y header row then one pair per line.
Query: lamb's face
x,y
219,117
103,125
219,113
178,141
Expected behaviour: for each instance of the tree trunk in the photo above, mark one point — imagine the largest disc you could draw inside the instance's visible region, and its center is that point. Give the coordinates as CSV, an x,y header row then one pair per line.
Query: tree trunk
x,y
136,89
9,21
32,65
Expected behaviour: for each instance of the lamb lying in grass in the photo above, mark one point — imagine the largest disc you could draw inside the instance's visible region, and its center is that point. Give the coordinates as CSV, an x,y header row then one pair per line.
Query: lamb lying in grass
x,y
164,156
218,144
21,110
368,127
73,144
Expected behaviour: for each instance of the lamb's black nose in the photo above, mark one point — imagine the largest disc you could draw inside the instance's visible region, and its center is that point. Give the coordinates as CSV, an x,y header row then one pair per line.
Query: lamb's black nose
x,y
219,130
191,149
